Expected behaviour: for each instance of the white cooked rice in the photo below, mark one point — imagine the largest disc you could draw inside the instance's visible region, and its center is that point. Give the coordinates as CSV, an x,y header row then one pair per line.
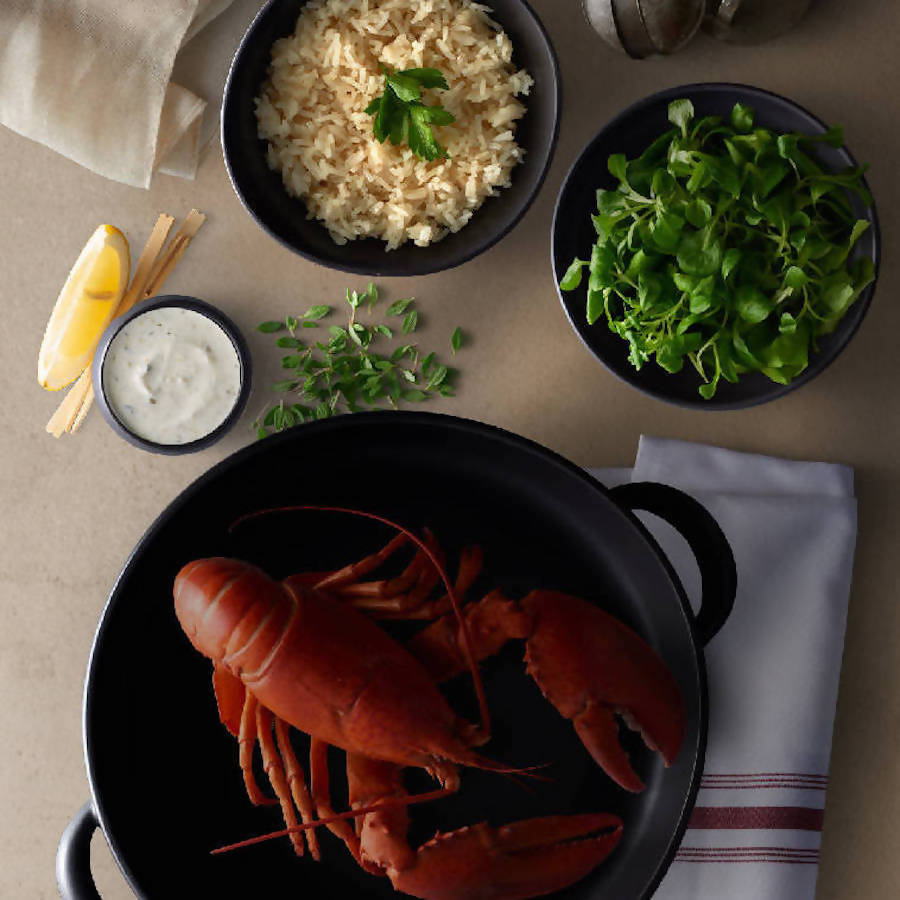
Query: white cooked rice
x,y
321,79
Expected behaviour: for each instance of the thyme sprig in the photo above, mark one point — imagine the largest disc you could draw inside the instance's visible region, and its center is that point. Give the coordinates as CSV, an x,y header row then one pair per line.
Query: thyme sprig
x,y
350,371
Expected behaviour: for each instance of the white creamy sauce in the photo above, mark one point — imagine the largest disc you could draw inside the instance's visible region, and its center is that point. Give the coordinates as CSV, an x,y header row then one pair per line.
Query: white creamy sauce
x,y
171,375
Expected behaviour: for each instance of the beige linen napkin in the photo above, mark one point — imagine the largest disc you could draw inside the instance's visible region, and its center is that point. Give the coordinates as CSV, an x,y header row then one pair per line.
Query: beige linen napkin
x,y
91,80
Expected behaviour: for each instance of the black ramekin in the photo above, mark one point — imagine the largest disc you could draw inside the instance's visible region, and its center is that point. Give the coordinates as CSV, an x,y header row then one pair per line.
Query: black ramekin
x,y
181,302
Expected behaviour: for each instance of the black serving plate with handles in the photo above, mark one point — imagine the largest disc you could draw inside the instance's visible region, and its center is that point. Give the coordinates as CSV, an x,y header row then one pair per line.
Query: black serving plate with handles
x,y
573,235
284,217
164,777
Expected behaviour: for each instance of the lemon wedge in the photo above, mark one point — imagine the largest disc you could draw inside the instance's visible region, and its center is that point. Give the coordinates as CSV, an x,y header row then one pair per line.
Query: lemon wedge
x,y
85,306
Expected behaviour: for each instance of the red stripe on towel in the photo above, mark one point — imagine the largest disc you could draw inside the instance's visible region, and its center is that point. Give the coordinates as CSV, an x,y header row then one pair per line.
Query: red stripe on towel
x,y
793,818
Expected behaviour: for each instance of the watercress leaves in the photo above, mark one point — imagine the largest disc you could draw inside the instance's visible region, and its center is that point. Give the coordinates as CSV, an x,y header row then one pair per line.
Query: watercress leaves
x,y
401,116
742,117
725,245
569,282
680,114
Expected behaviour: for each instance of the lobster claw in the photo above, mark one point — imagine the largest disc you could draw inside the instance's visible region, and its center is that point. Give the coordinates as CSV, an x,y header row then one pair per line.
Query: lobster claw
x,y
512,862
592,668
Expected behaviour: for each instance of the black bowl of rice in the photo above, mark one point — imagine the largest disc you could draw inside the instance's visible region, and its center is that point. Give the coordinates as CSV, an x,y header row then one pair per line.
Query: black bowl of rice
x,y
301,152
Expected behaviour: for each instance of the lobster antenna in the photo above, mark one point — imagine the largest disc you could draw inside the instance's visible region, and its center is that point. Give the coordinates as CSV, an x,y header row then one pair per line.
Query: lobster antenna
x,y
463,624
488,765
350,814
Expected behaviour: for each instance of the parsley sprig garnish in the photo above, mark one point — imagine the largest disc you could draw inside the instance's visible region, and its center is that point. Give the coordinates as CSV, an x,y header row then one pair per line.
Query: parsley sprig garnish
x,y
401,115
345,374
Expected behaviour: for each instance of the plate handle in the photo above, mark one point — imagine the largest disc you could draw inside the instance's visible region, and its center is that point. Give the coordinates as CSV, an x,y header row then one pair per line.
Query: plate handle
x,y
73,856
705,538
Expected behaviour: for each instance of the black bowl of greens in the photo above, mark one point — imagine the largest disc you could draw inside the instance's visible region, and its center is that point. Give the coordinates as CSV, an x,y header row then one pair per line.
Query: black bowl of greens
x,y
715,245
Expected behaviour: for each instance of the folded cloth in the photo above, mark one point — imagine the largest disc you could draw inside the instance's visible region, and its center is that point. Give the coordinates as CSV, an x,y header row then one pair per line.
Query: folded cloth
x,y
773,668
91,80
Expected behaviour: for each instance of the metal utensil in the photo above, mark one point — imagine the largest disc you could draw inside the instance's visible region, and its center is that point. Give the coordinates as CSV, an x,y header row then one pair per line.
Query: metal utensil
x,y
643,28
752,21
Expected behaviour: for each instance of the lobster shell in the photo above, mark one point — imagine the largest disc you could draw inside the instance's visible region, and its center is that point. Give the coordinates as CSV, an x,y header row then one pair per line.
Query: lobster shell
x,y
320,665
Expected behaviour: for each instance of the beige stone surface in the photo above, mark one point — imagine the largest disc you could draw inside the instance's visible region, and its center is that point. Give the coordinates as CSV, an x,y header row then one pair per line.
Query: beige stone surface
x,y
72,509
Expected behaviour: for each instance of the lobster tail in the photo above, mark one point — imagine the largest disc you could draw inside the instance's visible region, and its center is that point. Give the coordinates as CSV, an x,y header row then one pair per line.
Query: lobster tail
x,y
231,611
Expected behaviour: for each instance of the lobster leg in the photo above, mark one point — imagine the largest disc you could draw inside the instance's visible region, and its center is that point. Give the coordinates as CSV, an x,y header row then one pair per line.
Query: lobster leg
x,y
372,591
414,604
246,743
382,833
275,771
429,574
321,792
297,782
230,697
404,608
356,570
237,710
405,596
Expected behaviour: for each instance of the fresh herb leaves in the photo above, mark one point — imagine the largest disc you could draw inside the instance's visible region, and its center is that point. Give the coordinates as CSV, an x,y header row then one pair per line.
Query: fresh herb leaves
x,y
343,373
726,245
401,116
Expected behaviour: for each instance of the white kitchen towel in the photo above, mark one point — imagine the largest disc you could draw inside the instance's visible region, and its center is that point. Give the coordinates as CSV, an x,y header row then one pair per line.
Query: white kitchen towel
x,y
773,668
91,79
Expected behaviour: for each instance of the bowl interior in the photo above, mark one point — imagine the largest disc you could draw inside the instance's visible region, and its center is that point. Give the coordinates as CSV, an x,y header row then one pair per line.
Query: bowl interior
x,y
284,217
574,235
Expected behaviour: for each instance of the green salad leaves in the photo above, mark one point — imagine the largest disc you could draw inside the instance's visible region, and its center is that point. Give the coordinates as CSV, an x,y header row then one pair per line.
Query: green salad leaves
x,y
401,116
726,245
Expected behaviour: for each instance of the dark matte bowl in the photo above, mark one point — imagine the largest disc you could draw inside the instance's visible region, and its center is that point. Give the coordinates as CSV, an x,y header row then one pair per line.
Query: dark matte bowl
x,y
284,217
206,309
573,235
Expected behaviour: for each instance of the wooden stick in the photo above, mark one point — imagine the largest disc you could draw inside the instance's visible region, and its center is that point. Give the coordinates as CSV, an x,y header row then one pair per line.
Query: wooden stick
x,y
166,262
80,416
145,265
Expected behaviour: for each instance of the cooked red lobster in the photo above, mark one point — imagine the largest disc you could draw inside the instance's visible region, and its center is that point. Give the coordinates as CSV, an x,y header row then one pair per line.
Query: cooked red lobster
x,y
305,652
